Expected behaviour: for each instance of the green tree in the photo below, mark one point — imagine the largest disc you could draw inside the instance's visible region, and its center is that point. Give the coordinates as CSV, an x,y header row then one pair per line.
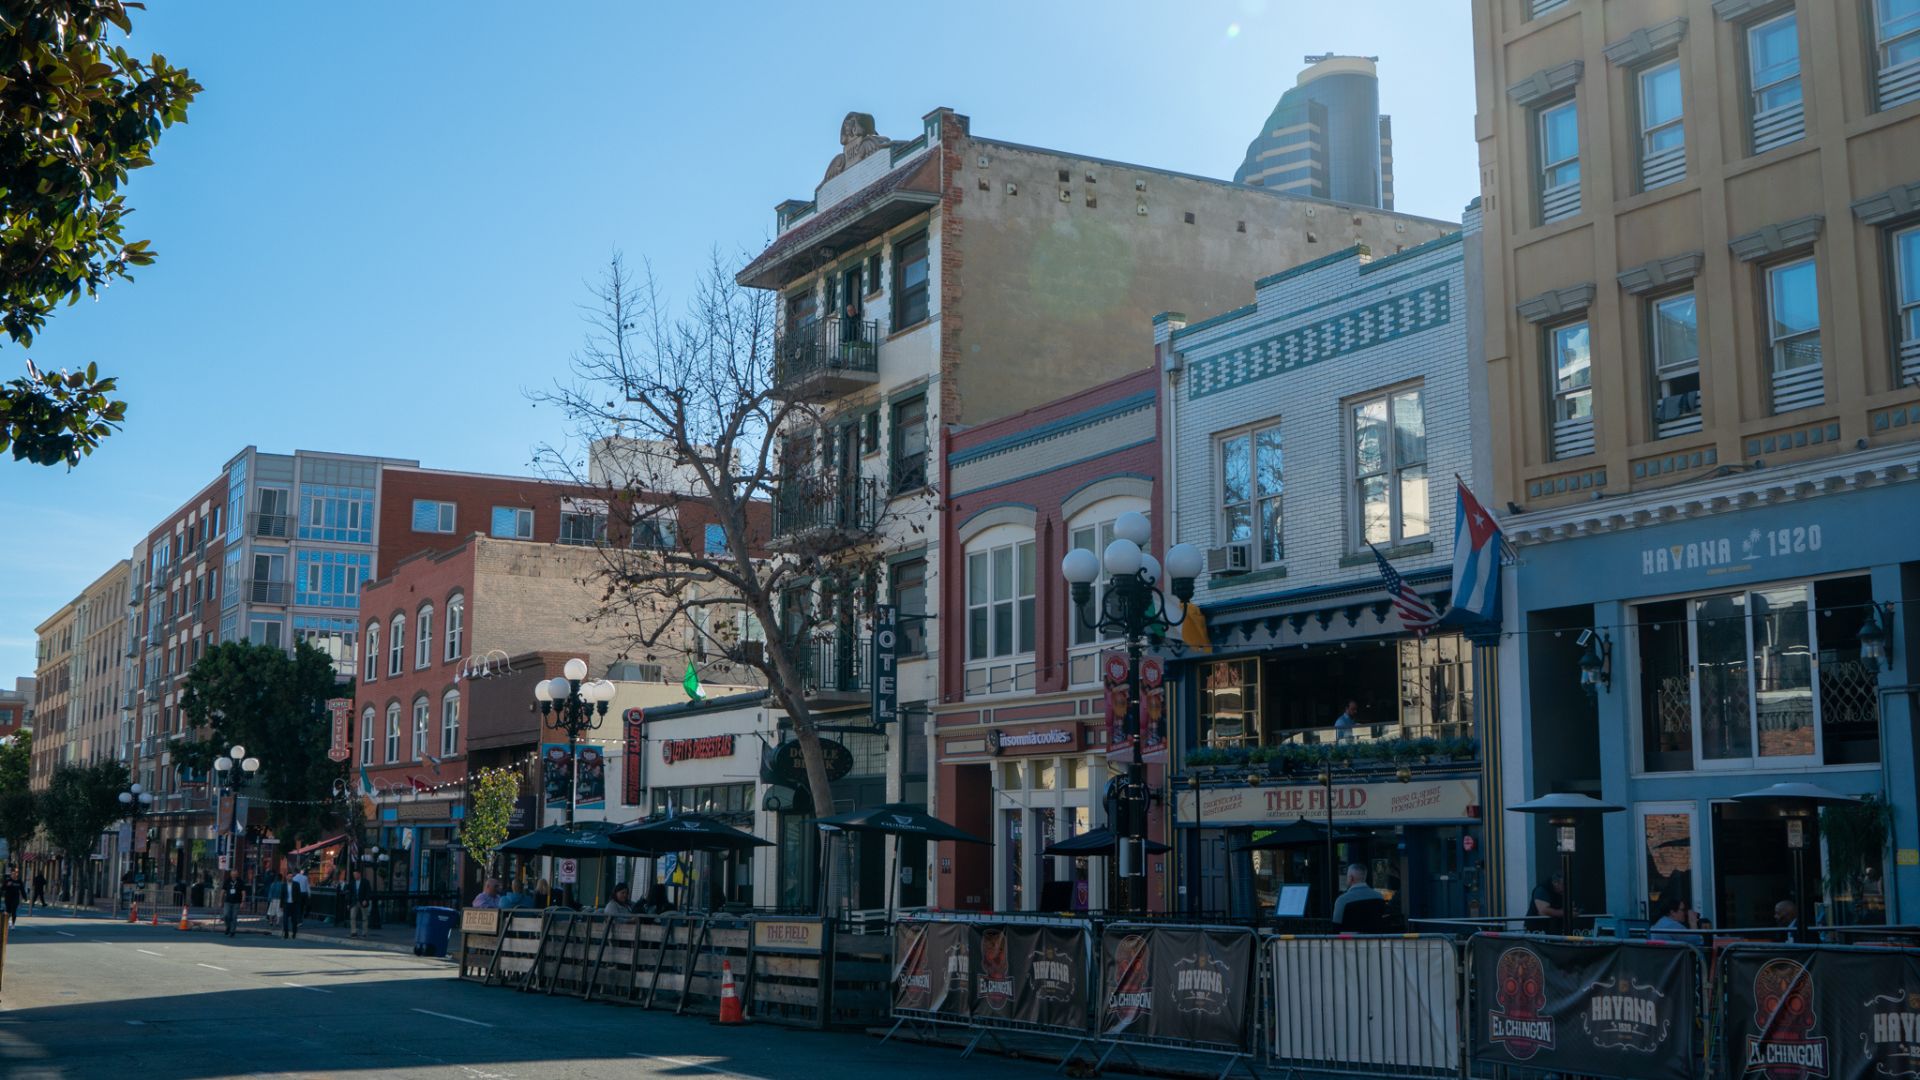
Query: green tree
x,y
274,705
78,113
19,814
81,801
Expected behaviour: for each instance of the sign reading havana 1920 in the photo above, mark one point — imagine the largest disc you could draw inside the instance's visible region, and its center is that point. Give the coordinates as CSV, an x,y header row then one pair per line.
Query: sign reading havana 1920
x,y
1451,799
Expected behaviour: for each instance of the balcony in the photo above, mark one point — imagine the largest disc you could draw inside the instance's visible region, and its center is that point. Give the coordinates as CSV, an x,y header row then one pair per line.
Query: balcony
x,y
825,510
267,592
270,526
827,358
833,670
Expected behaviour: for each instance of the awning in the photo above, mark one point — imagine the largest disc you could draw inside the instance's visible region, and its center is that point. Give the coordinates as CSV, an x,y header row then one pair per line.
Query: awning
x,y
318,846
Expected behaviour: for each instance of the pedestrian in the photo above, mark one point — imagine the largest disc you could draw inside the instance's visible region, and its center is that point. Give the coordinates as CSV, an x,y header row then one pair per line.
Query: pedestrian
x,y
359,902
295,909
1369,916
1344,723
231,896
489,894
622,902
11,892
39,890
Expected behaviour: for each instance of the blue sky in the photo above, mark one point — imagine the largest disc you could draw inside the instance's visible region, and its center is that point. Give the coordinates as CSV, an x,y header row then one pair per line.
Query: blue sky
x,y
374,231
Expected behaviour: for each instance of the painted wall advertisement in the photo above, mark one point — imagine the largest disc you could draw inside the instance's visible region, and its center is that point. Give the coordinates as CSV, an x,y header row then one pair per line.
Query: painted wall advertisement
x,y
558,768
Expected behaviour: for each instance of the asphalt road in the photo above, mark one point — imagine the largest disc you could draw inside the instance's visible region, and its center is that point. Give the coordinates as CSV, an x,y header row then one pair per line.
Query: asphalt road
x,y
85,998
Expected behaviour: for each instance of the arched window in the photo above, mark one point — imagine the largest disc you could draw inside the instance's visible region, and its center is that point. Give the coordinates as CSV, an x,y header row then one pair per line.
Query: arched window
x,y
367,720
456,624
393,733
423,638
450,724
421,714
373,651
397,651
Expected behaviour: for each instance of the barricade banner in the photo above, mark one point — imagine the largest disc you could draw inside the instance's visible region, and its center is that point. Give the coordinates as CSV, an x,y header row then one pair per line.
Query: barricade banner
x,y
1618,1009
1817,1012
1189,984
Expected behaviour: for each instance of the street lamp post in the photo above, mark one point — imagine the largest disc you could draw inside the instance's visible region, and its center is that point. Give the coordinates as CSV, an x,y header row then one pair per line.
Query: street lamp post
x,y
575,707
135,801
236,769
1134,608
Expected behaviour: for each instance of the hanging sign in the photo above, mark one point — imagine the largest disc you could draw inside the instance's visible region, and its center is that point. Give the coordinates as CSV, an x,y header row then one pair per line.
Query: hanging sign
x,y
886,656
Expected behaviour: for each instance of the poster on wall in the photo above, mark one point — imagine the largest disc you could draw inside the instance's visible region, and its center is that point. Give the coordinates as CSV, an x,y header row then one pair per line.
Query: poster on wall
x,y
1153,702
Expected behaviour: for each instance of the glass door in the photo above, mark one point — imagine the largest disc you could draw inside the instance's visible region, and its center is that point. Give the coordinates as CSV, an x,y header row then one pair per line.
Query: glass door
x,y
1668,842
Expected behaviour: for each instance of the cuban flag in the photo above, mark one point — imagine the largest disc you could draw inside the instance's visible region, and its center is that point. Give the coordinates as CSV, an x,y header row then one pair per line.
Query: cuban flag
x,y
1476,561
1415,614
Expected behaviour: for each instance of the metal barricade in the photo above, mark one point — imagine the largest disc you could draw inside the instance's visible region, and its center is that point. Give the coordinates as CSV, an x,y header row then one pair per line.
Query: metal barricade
x,y
1385,1005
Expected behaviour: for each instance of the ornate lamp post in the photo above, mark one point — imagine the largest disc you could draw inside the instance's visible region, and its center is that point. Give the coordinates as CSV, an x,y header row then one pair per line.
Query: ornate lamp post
x,y
576,707
1133,608
236,769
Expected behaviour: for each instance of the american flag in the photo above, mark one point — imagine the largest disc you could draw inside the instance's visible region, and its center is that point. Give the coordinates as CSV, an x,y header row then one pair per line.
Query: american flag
x,y
1415,614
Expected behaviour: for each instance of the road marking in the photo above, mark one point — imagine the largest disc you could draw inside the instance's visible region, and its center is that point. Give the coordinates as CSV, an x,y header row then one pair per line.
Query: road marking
x,y
215,967
149,952
450,1016
689,1063
315,989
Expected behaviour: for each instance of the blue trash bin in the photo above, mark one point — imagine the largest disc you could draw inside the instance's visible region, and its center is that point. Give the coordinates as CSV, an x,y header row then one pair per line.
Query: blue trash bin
x,y
431,928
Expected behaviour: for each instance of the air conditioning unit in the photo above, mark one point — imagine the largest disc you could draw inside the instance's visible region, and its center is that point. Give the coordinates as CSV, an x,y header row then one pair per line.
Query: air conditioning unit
x,y
1230,559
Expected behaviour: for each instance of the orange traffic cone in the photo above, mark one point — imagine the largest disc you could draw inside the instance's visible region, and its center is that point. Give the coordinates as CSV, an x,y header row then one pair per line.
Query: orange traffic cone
x,y
730,1010
133,913
183,919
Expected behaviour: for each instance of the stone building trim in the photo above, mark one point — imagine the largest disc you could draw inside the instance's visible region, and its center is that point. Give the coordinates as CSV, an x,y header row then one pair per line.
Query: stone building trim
x,y
1658,274
1546,82
1555,303
1888,205
1777,239
1647,42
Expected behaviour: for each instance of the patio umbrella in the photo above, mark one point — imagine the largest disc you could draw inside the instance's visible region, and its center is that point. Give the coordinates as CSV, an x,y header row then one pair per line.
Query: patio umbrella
x,y
1797,803
1099,841
898,819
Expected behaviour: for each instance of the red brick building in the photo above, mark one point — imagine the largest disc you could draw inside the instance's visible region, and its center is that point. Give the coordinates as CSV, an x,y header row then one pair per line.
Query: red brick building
x,y
1022,729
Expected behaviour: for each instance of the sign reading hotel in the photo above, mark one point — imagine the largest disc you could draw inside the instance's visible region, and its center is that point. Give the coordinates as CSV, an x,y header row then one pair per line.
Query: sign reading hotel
x,y
1452,799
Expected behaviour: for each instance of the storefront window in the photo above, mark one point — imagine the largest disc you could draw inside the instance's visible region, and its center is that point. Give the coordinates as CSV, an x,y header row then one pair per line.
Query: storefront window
x,y
1230,703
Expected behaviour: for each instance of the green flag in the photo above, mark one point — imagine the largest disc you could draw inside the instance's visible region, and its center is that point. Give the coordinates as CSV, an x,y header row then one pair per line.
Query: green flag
x,y
691,684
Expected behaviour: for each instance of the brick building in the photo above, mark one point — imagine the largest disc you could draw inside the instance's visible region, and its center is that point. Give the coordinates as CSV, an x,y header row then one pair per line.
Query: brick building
x,y
1021,730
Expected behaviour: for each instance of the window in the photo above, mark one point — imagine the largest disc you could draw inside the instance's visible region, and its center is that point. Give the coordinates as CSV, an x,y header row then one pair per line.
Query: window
x,y
423,637
1390,467
397,648
1250,491
393,733
512,523
910,444
335,513
450,724
1675,342
583,522
432,517
1906,276
456,625
909,583
1000,611
1897,43
1793,335
1570,375
1559,162
421,717
654,528
1230,703
367,719
1663,134
330,578
910,282
373,653
1773,82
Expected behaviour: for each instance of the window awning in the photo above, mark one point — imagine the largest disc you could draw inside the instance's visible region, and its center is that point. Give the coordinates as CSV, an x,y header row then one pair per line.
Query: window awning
x,y
318,846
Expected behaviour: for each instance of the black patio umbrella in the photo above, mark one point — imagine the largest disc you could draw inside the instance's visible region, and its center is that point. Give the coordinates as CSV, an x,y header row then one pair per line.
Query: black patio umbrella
x,y
1099,841
898,819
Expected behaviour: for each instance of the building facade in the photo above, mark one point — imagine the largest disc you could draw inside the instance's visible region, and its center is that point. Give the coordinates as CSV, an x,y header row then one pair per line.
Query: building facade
x,y
1703,274
1304,434
1022,729
1327,137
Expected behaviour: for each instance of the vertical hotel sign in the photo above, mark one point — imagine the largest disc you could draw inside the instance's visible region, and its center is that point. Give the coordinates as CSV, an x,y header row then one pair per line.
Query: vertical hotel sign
x,y
633,730
340,712
886,657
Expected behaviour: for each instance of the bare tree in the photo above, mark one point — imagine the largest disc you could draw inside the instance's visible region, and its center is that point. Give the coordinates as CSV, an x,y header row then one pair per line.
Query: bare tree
x,y
694,425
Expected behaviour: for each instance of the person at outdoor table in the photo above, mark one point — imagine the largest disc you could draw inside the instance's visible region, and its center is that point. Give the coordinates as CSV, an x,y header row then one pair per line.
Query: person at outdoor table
x,y
1676,921
622,902
1550,897
489,894
1357,889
